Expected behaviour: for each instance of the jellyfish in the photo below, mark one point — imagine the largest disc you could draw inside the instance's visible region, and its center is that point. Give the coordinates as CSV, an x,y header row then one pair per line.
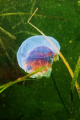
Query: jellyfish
x,y
36,52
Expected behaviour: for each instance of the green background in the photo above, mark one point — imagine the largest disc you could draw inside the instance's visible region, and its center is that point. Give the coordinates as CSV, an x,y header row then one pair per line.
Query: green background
x,y
38,99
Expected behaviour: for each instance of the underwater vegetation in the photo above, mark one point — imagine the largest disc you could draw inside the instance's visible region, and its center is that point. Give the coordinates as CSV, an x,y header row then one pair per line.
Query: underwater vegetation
x,y
38,61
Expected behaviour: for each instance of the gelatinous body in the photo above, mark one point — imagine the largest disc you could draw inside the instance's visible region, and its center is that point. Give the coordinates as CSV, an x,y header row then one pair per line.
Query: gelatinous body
x,y
36,52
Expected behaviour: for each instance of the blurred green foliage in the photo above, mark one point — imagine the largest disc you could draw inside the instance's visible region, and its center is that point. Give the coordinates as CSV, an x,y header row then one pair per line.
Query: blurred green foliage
x,y
38,100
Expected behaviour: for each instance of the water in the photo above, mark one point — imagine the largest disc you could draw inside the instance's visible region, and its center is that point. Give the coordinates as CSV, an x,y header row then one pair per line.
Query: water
x,y
38,99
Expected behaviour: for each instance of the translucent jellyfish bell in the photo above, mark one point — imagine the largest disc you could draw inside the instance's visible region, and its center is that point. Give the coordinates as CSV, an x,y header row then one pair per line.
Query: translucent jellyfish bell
x,y
36,52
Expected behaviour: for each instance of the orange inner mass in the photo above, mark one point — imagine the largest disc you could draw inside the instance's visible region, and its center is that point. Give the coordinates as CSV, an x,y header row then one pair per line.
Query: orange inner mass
x,y
36,64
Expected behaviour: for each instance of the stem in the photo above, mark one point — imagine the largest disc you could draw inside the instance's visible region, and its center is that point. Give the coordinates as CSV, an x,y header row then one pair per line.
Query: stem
x,y
7,33
60,54
20,79
59,94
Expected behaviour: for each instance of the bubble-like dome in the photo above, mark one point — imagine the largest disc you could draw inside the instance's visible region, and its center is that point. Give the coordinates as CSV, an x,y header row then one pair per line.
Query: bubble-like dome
x,y
36,52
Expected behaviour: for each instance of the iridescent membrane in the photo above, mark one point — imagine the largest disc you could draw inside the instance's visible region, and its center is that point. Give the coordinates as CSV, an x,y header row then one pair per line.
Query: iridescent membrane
x,y
36,52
